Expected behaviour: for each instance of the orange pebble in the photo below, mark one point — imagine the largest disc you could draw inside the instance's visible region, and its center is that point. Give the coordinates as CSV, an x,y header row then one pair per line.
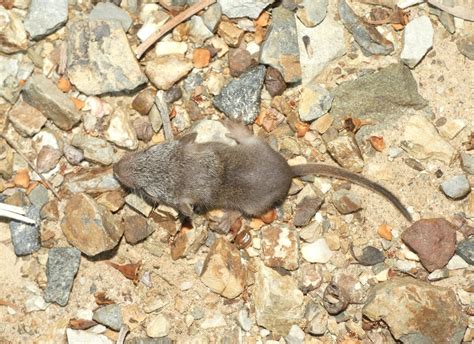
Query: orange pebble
x,y
79,104
64,85
201,57
377,142
22,178
301,129
269,216
263,19
256,224
385,232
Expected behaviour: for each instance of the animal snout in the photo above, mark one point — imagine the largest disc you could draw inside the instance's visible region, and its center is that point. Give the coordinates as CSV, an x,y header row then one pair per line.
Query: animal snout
x,y
123,173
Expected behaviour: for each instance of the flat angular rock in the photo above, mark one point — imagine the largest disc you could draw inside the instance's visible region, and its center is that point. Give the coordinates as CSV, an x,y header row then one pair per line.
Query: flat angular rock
x,y
26,237
243,8
433,240
165,71
308,203
100,59
223,271
13,69
121,131
45,17
136,229
12,33
369,39
465,250
89,226
280,48
26,119
416,312
81,337
62,266
110,316
313,12
316,252
95,149
109,11
43,95
279,303
344,149
315,101
417,40
280,247
422,141
240,98
386,92
346,202
95,180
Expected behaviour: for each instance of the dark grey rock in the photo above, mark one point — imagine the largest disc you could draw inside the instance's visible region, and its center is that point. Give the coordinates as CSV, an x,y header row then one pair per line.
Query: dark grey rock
x,y
108,11
45,17
465,250
212,17
100,59
240,98
110,316
369,39
192,81
62,266
456,187
39,196
26,237
280,48
370,256
42,94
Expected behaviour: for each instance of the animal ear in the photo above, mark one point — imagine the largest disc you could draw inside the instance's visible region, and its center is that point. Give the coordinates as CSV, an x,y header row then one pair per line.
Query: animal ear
x,y
188,138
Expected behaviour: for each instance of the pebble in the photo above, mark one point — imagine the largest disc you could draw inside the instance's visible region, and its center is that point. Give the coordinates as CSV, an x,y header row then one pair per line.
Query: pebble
x,y
158,327
166,48
26,119
244,320
165,71
320,46
344,149
212,16
399,303
47,159
312,12
243,8
417,40
369,39
230,33
140,340
280,48
201,57
139,204
61,268
143,129
223,271
456,263
25,237
456,187
109,11
12,32
81,337
370,256
96,66
96,234
95,149
240,61
438,274
98,180
121,131
315,101
346,202
13,70
214,321
198,30
240,98
110,316
317,318
465,250
308,202
211,131
467,162
281,308
42,94
136,229
452,128
422,141
280,247
45,17
433,240
465,46
274,82
316,252
295,335
39,196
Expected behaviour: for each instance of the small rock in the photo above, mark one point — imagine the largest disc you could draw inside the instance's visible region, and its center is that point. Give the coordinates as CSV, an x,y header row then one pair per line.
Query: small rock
x,y
308,203
212,16
81,337
143,128
165,71
47,159
316,252
465,46
433,240
279,303
465,250
274,82
451,128
12,32
295,336
173,94
112,200
315,101
139,204
42,94
399,303
346,202
153,18
89,226
280,247
317,319
457,263
244,320
120,131
223,271
100,59
45,17
344,149
421,140
26,237
370,256
335,298
467,162
417,40
369,39
95,149
144,101
240,98
136,229
73,155
96,180
39,196
63,264
243,8
211,131
201,57
240,61
230,33
158,327
322,124
456,187
35,303
214,321
110,316
109,11
309,278
198,30
280,48
313,12
13,71
438,275
26,119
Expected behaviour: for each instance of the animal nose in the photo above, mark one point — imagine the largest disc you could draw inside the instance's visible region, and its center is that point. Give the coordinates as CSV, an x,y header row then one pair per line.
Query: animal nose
x,y
121,172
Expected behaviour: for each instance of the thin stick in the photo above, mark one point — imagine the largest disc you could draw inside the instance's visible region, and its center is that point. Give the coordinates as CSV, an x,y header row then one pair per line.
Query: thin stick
x,y
171,24
17,217
165,115
32,166
12,208
122,334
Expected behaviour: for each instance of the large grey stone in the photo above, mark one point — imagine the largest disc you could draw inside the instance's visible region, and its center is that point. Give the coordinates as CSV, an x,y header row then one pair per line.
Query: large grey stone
x,y
109,11
243,8
45,16
26,237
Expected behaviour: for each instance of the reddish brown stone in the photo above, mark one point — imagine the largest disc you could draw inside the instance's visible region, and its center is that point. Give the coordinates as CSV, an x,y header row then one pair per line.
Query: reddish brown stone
x,y
274,82
240,61
136,229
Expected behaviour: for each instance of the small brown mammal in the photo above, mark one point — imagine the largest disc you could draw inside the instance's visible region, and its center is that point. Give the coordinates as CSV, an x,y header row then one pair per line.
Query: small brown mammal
x,y
249,177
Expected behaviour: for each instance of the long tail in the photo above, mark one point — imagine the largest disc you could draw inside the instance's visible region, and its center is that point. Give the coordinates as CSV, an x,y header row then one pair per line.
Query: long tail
x,y
340,173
